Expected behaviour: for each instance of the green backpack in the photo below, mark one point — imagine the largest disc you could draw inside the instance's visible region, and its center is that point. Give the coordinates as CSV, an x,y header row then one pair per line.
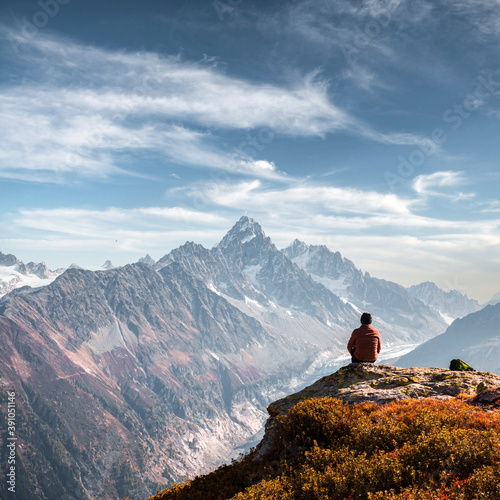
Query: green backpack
x,y
460,366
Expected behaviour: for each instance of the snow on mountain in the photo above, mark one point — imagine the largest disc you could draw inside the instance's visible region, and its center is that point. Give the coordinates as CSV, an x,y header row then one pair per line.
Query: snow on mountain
x,y
451,305
249,271
107,265
148,260
245,230
15,274
402,318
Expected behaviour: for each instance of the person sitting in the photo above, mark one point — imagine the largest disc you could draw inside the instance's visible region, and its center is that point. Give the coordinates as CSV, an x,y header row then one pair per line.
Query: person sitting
x,y
364,344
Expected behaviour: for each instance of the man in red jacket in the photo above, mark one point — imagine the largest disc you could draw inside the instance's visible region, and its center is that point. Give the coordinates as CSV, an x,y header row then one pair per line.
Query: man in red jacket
x,y
364,344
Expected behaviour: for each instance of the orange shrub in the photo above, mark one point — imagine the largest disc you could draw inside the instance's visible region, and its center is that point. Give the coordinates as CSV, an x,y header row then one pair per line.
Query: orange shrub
x,y
327,450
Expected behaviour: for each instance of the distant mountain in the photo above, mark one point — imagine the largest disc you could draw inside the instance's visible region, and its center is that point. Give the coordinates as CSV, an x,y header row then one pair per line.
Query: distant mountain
x,y
148,260
474,338
136,374
107,265
451,305
132,377
249,271
400,316
14,274
494,300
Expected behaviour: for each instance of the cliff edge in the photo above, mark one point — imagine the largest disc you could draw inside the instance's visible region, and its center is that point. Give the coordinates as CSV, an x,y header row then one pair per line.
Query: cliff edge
x,y
367,382
370,432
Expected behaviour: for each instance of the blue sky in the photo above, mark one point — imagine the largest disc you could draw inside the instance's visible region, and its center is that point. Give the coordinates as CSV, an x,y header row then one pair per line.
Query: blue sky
x,y
372,127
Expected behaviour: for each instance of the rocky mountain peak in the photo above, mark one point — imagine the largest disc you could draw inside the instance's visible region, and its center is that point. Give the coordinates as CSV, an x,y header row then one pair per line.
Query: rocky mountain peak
x,y
15,274
8,260
107,265
245,230
296,249
452,304
148,260
41,270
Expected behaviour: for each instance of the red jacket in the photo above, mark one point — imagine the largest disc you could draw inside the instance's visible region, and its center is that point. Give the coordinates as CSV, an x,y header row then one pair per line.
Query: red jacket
x,y
366,340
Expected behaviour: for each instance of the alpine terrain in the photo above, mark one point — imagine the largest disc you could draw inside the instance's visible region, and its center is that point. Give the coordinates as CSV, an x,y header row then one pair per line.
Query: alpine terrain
x,y
130,378
15,274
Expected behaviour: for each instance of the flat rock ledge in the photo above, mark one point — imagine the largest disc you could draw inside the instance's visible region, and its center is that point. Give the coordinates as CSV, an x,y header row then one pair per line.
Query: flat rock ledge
x,y
362,382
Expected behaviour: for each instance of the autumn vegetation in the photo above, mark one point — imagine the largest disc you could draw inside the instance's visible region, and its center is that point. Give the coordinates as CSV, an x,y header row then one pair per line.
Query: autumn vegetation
x,y
327,450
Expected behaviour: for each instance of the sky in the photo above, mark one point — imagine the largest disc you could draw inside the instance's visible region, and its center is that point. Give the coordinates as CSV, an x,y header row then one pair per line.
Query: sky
x,y
130,127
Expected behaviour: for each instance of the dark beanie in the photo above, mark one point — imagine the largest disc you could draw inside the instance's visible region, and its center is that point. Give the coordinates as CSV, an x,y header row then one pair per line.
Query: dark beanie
x,y
366,318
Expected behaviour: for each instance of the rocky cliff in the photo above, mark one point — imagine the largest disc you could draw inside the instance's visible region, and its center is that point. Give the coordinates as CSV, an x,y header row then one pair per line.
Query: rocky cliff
x,y
364,382
371,432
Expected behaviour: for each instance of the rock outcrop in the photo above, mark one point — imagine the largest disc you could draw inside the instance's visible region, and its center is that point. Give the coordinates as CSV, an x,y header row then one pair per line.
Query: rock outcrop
x,y
370,431
366,382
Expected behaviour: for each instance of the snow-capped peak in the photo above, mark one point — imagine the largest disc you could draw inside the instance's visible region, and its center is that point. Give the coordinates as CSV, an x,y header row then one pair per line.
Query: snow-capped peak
x,y
148,260
245,230
296,249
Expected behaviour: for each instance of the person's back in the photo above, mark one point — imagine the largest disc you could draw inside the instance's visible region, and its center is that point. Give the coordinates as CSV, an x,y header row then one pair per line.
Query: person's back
x,y
364,344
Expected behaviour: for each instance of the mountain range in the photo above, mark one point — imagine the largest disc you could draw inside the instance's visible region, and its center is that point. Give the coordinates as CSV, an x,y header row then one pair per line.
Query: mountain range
x,y
15,274
133,377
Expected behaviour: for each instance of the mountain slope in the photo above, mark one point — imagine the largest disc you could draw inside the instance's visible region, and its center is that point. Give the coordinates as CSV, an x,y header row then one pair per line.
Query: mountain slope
x,y
132,377
124,373
474,338
249,271
494,300
246,264
452,304
401,317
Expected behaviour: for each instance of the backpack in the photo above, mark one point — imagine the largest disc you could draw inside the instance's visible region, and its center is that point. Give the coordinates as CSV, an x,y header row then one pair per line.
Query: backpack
x,y
460,366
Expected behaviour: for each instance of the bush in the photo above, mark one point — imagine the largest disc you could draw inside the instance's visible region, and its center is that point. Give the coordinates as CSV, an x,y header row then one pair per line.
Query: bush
x,y
409,450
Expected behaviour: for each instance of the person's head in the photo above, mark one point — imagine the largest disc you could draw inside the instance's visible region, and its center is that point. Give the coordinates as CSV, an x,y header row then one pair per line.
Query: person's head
x,y
366,319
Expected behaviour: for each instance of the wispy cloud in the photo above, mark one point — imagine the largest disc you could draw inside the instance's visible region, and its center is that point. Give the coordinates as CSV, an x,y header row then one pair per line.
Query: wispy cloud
x,y
442,184
333,208
112,221
78,119
303,197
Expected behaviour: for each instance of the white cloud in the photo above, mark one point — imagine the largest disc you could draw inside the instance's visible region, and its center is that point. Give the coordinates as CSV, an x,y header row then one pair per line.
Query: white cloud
x,y
78,119
302,197
112,221
439,183
330,208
